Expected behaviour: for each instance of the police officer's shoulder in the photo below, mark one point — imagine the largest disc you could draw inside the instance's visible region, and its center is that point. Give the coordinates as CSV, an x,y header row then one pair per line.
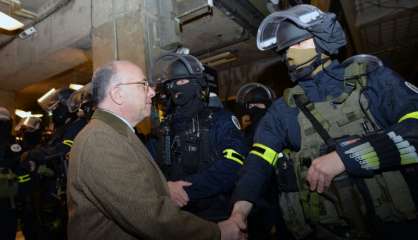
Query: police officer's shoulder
x,y
280,106
384,78
223,116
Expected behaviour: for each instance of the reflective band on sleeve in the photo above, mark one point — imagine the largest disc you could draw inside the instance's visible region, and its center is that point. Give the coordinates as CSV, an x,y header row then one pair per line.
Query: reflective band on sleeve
x,y
266,153
233,155
68,142
408,116
23,178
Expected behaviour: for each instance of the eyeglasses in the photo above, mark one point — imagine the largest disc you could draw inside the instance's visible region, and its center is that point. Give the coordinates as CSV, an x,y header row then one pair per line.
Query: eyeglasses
x,y
145,83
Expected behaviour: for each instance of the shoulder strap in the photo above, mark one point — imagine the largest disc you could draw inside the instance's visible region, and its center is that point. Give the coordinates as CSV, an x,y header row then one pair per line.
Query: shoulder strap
x,y
289,93
301,101
354,74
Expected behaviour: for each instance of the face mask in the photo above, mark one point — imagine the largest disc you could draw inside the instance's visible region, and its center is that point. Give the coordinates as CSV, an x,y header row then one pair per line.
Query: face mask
x,y
182,94
297,58
256,114
301,63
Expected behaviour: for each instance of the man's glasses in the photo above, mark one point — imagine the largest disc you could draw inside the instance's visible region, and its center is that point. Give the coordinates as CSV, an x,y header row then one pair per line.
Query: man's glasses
x,y
145,83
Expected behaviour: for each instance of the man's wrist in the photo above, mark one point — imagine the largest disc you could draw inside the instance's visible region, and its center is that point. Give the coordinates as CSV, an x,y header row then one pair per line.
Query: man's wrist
x,y
242,207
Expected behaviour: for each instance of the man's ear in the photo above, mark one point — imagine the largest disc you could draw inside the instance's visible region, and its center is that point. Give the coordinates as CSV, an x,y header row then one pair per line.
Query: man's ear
x,y
116,95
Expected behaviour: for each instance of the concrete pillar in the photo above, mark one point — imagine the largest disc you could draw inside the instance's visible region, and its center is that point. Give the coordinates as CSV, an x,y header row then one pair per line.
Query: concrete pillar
x,y
134,30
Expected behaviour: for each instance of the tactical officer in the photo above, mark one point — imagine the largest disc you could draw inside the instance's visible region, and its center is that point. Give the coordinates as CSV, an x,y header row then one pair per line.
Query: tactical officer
x,y
9,160
51,163
202,148
30,130
255,98
353,118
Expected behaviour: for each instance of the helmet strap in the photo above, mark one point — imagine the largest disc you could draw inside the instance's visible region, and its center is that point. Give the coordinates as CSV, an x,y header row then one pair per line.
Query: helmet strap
x,y
296,72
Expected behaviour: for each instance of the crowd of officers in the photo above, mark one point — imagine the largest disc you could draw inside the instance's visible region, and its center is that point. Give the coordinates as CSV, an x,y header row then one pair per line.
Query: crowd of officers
x,y
33,167
358,110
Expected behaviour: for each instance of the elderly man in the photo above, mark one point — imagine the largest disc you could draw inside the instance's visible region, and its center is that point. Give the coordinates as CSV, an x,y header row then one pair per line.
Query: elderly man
x,y
115,190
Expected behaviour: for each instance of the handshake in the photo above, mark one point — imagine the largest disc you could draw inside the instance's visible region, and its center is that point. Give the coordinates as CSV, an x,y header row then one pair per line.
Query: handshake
x,y
234,228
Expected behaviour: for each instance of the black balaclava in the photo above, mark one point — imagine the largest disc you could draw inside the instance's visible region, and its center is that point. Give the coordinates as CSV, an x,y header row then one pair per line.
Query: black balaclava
x,y
256,114
186,98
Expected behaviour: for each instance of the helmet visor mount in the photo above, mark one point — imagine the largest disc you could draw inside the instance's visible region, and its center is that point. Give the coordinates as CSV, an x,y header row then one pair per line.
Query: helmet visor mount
x,y
302,17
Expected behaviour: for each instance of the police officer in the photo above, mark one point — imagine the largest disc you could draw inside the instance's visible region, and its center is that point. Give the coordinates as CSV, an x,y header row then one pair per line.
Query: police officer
x,y
255,98
30,130
353,118
9,160
202,148
51,163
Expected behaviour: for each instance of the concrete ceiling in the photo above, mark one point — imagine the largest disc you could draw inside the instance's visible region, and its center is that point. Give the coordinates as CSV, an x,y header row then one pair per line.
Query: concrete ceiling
x,y
61,48
61,44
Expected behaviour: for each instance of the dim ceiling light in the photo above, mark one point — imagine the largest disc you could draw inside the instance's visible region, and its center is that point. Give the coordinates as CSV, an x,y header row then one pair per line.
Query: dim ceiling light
x,y
9,23
75,87
46,95
22,114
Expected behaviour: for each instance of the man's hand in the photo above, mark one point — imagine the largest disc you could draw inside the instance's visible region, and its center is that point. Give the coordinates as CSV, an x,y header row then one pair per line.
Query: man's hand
x,y
177,193
236,226
322,170
233,229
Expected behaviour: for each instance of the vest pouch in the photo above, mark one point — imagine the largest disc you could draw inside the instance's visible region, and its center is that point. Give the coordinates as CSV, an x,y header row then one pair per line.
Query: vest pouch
x,y
391,197
285,175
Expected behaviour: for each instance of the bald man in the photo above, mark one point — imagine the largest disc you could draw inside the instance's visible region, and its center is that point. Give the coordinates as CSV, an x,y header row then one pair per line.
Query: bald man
x,y
115,190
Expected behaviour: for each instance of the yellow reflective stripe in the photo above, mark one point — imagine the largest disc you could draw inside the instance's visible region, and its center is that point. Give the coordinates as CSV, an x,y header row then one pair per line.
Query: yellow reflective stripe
x,y
68,142
233,155
409,115
268,154
23,178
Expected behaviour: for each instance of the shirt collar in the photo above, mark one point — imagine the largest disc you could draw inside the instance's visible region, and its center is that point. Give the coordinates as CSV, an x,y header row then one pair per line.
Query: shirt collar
x,y
121,118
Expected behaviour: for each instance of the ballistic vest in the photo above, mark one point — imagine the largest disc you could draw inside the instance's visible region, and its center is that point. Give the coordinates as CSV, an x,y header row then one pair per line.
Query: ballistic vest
x,y
188,151
189,148
351,207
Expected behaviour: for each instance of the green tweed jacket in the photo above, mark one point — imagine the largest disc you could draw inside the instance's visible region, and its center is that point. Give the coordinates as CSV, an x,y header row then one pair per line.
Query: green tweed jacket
x,y
116,190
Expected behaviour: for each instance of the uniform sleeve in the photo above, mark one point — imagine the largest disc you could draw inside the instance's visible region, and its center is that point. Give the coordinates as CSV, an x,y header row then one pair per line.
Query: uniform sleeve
x,y
126,193
70,133
393,102
270,138
231,149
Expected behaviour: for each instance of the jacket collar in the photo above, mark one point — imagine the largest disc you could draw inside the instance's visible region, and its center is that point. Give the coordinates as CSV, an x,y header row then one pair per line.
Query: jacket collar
x,y
112,120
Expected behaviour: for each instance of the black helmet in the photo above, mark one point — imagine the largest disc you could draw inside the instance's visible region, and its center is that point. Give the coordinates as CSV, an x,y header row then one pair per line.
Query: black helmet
x,y
50,101
283,29
255,93
57,103
174,66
